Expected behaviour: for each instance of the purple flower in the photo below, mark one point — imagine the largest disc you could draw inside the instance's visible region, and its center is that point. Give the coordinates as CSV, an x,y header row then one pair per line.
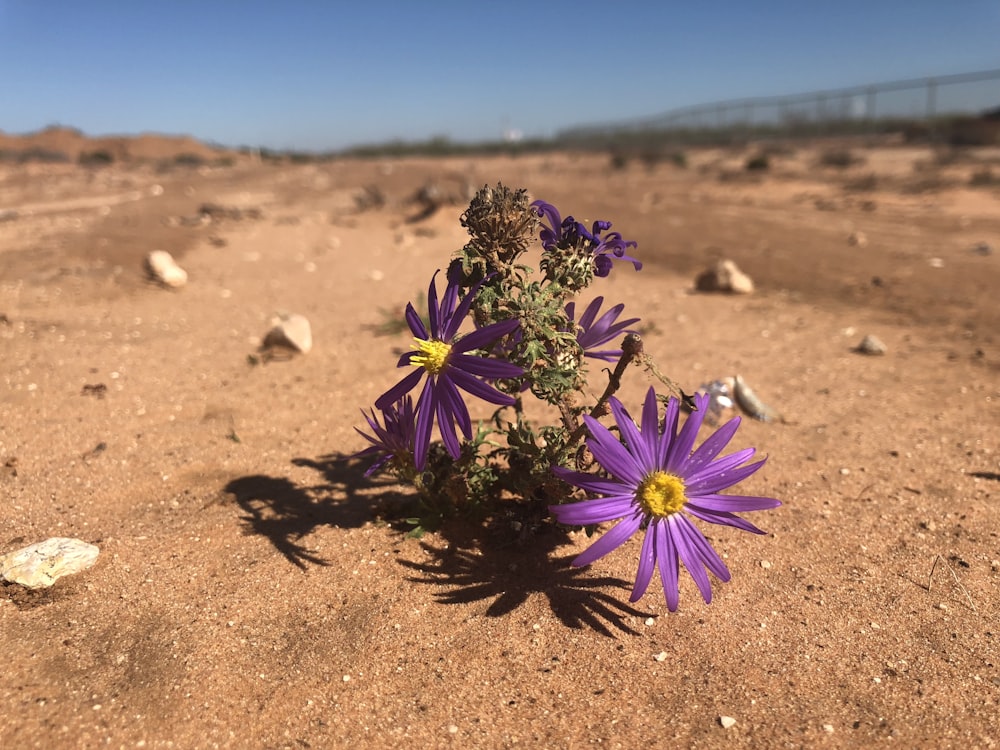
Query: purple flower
x,y
591,334
658,484
395,439
443,357
569,232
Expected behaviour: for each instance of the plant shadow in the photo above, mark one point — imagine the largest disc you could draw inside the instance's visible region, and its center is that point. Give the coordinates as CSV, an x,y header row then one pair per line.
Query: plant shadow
x,y
285,512
509,571
507,560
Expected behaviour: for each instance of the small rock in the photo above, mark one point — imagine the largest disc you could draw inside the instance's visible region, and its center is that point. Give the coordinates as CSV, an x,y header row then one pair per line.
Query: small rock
x,y
980,248
290,331
8,214
727,722
857,239
40,565
828,728
725,276
164,269
662,656
936,262
872,346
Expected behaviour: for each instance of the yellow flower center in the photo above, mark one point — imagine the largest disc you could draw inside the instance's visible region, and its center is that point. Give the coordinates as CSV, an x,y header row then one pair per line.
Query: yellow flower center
x,y
661,494
433,355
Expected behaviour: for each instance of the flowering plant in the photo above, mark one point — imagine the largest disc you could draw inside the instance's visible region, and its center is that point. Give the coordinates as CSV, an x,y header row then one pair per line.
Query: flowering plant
x,y
525,337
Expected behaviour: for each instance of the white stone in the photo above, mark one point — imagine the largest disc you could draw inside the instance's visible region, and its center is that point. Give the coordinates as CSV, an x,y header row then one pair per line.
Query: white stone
x,y
857,239
40,565
164,269
724,276
871,345
727,722
289,331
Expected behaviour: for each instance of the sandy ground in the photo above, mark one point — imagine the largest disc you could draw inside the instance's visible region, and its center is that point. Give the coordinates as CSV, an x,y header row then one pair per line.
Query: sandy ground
x,y
252,591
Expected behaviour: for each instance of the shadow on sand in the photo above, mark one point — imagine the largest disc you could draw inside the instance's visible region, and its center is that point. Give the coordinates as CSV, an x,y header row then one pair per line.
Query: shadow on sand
x,y
505,562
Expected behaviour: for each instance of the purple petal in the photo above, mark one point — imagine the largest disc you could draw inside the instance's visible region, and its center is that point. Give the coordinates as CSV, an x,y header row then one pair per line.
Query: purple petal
x,y
732,503
486,368
647,562
478,388
446,426
689,555
415,323
720,465
455,316
637,443
587,319
404,386
589,512
481,337
704,549
433,311
712,447
680,448
666,558
448,394
593,483
611,454
724,519
669,431
425,423
722,480
611,540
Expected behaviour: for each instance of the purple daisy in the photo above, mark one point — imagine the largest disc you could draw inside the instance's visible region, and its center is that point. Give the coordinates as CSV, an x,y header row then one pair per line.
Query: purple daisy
x,y
394,441
656,483
443,357
569,232
592,334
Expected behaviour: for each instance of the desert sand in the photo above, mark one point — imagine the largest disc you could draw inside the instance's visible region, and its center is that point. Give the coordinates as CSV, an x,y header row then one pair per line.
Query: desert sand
x,y
254,590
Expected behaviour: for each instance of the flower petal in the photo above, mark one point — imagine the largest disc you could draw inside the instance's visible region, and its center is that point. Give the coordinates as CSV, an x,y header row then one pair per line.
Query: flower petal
x,y
611,454
404,386
485,368
592,482
425,423
448,395
478,388
482,337
723,519
725,477
666,559
732,503
714,445
689,555
647,562
680,449
416,325
589,512
719,465
611,540
637,443
704,549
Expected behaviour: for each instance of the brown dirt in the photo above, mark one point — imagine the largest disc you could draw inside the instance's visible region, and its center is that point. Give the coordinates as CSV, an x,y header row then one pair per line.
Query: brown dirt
x,y
254,591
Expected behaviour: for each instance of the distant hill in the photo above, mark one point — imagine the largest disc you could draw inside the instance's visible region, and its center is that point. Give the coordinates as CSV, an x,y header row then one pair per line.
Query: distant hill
x,y
72,144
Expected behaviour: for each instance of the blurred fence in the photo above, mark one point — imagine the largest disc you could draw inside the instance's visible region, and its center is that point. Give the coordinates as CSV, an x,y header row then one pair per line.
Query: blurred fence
x,y
921,105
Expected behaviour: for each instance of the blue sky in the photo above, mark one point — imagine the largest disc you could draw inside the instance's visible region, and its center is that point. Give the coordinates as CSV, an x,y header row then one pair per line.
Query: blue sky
x,y
325,75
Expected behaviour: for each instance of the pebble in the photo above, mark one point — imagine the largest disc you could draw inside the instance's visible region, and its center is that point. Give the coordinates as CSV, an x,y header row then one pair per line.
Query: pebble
x,y
8,214
724,276
828,728
936,263
662,656
727,722
982,248
871,345
289,331
164,269
857,239
40,565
